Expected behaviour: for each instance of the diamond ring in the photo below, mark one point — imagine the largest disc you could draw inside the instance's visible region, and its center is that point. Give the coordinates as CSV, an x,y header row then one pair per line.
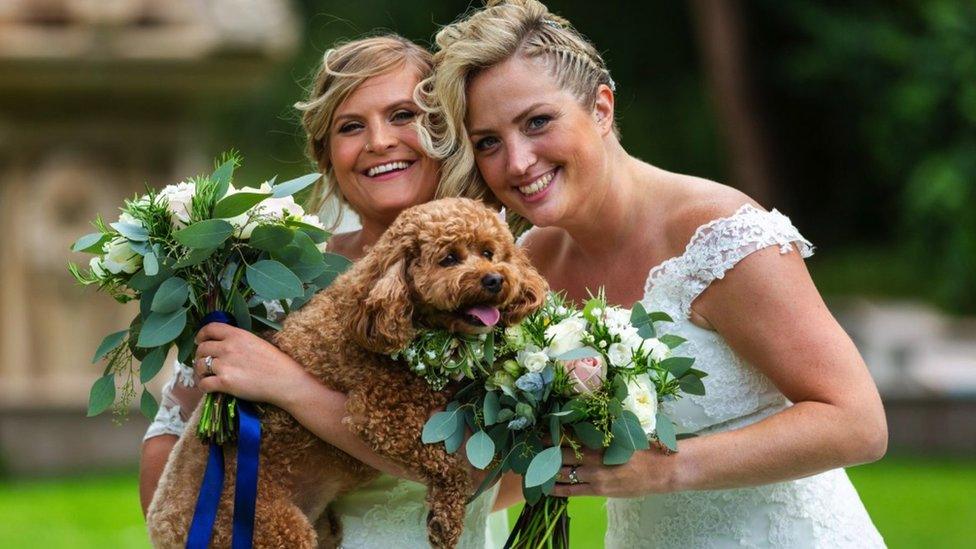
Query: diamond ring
x,y
208,365
573,477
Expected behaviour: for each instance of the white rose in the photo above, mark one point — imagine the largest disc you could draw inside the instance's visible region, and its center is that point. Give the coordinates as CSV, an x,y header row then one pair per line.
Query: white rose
x,y
642,401
533,360
127,218
275,208
619,355
120,257
657,350
179,198
631,339
97,268
565,336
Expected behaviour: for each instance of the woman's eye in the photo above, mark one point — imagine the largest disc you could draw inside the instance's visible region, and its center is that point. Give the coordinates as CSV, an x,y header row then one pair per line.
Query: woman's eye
x,y
485,143
349,127
449,260
403,116
488,254
538,122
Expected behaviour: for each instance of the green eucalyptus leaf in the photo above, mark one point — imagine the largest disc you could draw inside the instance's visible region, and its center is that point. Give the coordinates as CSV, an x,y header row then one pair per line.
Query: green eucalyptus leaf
x,y
102,395
148,405
223,175
627,429
642,321
208,233
241,312
582,352
617,453
273,280
544,466
195,257
490,408
317,234
153,362
185,346
91,243
235,204
170,296
271,237
588,434
505,414
440,426
267,322
336,262
110,342
672,341
658,316
692,385
135,233
292,186
666,432
161,328
677,365
151,264
480,449
456,439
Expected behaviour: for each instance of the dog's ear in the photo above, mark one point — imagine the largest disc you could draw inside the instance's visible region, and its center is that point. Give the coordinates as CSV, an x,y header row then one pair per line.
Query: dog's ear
x,y
384,321
531,291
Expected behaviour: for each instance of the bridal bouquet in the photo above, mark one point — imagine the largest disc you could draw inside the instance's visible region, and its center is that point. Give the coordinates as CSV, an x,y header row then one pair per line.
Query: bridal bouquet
x,y
194,252
564,377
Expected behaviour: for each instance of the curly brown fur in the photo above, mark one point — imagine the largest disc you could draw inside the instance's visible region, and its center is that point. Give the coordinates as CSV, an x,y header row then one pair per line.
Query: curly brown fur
x,y
343,336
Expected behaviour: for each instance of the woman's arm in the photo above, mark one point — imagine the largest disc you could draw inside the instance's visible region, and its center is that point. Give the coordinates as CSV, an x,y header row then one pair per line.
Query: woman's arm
x,y
155,452
769,311
509,491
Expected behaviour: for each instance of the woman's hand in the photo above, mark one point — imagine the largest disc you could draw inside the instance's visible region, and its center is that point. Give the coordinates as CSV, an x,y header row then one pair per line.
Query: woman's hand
x,y
244,365
647,472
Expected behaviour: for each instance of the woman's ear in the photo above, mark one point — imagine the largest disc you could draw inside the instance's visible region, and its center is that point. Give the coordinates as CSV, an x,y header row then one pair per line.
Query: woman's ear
x,y
384,321
603,109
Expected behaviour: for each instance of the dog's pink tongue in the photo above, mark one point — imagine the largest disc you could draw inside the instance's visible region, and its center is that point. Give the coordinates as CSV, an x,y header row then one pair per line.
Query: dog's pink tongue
x,y
487,315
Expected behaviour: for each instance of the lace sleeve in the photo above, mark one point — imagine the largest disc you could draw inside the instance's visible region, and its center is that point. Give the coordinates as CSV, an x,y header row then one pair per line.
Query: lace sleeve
x,y
178,400
719,245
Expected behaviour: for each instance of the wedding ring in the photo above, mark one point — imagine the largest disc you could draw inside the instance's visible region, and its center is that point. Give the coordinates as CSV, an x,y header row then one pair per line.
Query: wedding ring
x,y
573,477
208,365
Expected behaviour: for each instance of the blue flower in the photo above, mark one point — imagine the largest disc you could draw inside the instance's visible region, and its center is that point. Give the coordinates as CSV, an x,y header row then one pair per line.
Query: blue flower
x,y
519,423
530,382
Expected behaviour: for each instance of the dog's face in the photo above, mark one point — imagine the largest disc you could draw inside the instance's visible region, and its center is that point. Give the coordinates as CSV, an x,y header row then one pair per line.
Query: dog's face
x,y
449,264
468,276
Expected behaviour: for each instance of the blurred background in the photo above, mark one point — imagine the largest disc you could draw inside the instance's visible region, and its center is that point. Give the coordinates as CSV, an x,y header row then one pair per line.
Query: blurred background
x,y
856,119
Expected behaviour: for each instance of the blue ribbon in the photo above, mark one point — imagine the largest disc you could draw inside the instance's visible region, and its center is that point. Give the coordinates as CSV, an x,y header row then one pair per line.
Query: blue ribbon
x,y
246,486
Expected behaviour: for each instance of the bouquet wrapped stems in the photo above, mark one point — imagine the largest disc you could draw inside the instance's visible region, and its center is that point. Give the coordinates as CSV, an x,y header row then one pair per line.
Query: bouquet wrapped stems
x,y
541,525
217,419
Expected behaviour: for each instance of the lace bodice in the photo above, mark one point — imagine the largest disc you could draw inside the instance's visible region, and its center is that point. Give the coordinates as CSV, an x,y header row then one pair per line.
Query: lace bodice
x,y
820,511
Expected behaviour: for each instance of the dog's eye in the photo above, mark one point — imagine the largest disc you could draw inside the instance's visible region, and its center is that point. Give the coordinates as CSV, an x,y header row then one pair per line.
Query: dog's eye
x,y
488,254
449,259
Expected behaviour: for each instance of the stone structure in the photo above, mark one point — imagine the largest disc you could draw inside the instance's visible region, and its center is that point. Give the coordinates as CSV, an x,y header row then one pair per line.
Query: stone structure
x,y
97,98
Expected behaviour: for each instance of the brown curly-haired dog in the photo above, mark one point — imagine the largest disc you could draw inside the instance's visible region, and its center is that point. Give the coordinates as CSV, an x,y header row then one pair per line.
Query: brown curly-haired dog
x,y
450,263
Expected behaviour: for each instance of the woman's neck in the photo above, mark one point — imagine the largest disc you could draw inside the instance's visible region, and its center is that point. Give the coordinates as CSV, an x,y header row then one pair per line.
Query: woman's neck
x,y
611,222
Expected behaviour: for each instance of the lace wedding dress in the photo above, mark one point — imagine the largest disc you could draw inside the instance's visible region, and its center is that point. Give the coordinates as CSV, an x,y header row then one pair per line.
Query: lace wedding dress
x,y
820,511
387,513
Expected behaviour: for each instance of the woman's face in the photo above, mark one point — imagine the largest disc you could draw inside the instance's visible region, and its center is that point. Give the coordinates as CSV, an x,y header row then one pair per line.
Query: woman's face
x,y
538,149
376,156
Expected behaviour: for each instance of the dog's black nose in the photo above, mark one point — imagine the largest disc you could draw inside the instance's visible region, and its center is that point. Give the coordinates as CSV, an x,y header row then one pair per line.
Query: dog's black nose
x,y
493,282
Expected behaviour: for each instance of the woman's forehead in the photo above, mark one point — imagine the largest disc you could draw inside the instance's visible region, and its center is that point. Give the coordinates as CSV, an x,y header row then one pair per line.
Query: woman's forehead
x,y
497,95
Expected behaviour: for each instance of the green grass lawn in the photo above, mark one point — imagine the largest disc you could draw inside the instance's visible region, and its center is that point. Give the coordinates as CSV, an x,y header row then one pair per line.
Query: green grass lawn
x,y
915,502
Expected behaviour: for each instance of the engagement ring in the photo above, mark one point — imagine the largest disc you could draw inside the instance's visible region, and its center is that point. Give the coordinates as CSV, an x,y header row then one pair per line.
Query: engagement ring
x,y
208,365
573,477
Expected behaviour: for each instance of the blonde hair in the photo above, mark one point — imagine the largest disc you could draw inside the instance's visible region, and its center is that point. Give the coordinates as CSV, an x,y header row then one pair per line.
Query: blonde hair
x,y
483,39
344,68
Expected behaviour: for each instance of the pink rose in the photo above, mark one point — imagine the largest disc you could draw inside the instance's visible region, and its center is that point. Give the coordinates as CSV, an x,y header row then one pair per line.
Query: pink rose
x,y
587,374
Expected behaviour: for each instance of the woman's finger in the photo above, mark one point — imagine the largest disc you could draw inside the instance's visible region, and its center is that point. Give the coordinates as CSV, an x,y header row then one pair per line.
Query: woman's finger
x,y
569,457
211,384
213,331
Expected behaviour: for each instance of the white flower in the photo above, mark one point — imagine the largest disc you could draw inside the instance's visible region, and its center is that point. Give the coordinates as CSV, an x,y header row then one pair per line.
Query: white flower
x,y
642,401
179,197
120,257
97,268
127,218
656,349
631,339
269,208
565,336
619,355
515,335
533,359
618,321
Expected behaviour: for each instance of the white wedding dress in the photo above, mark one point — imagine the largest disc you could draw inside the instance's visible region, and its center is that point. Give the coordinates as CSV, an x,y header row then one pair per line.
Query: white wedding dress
x,y
385,514
822,511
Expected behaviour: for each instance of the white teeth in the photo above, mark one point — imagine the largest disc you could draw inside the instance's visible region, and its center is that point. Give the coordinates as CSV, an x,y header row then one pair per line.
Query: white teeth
x,y
388,167
537,185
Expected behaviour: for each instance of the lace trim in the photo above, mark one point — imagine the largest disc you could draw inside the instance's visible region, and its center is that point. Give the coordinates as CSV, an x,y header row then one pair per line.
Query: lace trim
x,y
716,247
169,418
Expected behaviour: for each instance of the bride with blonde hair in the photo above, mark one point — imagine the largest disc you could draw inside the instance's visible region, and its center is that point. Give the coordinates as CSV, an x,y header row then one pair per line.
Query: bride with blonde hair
x,y
521,110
